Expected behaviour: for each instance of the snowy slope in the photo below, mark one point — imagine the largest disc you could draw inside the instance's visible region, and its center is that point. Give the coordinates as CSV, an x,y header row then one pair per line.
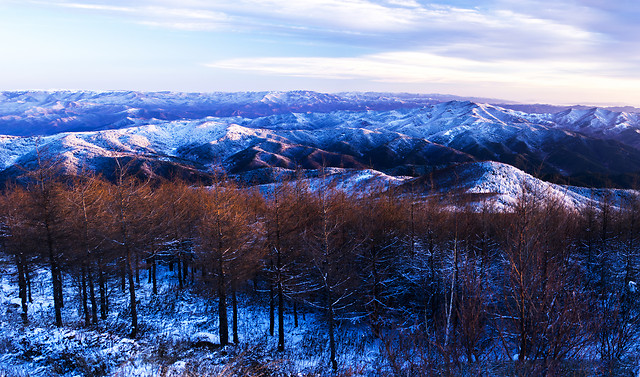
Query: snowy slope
x,y
502,185
473,185
44,113
428,136
348,180
392,134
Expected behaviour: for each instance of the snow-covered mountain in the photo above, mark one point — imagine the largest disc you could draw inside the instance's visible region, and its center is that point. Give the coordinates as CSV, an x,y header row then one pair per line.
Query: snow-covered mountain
x,y
251,134
473,185
501,186
30,113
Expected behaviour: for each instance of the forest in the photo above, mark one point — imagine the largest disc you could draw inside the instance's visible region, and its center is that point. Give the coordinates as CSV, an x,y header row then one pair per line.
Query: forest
x,y
443,288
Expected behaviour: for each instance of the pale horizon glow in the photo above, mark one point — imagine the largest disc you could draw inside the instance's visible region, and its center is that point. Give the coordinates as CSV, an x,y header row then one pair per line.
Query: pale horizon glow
x,y
531,51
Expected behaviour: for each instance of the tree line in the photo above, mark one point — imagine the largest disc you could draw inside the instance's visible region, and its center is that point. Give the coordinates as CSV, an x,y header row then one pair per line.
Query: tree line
x,y
536,289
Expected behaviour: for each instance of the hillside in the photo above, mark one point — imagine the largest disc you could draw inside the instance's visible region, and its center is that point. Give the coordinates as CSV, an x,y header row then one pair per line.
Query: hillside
x,y
197,135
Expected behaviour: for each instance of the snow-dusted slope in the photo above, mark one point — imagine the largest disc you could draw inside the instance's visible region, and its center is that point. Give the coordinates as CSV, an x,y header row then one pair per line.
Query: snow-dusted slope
x,y
349,180
400,139
161,139
502,185
473,185
38,112
397,134
44,113
601,123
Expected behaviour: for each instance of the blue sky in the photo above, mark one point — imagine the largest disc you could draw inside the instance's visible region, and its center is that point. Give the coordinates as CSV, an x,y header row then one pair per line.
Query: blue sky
x,y
562,51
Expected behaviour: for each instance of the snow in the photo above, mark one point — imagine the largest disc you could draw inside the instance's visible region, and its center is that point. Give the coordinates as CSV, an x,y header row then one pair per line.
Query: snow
x,y
360,130
502,186
171,323
455,124
347,180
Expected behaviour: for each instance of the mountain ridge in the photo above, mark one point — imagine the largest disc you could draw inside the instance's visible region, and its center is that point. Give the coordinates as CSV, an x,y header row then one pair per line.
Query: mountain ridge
x,y
28,113
414,137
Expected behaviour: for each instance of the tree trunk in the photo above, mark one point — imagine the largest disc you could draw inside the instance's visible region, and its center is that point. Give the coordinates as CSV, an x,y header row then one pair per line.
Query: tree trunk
x,y
234,303
132,296
185,270
83,287
53,264
280,317
92,297
60,285
104,305
22,286
271,309
375,312
27,276
179,267
454,284
222,305
154,275
332,339
123,277
295,313
137,267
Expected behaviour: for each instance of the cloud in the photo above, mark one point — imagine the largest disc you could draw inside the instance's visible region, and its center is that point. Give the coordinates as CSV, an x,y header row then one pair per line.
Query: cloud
x,y
154,14
97,7
591,77
501,27
616,21
408,66
514,42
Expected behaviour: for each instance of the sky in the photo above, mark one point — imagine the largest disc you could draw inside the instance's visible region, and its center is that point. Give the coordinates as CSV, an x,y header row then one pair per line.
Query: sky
x,y
533,51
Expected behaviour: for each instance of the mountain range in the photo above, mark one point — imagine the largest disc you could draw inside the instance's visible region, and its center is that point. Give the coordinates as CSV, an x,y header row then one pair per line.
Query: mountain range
x,y
257,135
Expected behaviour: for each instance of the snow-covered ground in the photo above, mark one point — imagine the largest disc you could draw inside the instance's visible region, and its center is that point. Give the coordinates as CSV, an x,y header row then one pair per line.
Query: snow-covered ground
x,y
502,185
171,323
487,183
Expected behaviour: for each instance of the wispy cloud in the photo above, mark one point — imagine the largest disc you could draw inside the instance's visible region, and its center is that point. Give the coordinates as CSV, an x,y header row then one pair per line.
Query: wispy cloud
x,y
422,67
154,14
97,7
383,24
516,42
390,16
590,77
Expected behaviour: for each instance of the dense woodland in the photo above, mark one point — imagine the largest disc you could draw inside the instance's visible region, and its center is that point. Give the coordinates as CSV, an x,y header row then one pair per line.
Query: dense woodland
x,y
536,290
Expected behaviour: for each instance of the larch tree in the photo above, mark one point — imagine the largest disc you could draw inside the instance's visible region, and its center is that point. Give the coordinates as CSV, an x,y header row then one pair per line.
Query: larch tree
x,y
285,218
85,203
128,210
382,251
47,219
227,237
174,218
330,250
543,299
16,238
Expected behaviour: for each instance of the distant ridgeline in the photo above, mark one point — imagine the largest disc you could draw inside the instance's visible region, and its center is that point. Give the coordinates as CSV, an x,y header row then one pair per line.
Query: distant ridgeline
x,y
260,136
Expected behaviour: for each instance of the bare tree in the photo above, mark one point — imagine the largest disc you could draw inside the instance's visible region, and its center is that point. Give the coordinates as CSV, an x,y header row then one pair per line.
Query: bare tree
x,y
286,216
46,215
227,240
173,221
615,295
544,300
84,201
331,250
381,254
127,210
16,238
